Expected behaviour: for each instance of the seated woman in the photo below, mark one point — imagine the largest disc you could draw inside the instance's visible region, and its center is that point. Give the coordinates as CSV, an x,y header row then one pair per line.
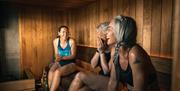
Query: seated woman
x,y
132,65
87,81
65,52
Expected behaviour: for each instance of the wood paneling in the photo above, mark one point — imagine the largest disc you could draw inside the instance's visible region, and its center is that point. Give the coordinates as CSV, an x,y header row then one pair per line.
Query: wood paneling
x,y
156,27
20,85
147,25
166,29
60,5
176,58
153,18
38,28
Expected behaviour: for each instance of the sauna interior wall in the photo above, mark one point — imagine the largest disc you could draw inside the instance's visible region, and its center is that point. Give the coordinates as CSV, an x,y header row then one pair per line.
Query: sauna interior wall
x,y
38,27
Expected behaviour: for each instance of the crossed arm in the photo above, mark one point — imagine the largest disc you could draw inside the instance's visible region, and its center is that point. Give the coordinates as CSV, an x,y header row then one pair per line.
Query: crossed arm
x,y
73,51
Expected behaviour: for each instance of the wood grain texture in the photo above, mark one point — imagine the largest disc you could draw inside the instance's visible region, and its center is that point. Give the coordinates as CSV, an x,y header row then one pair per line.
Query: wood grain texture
x,y
176,47
154,30
147,25
166,29
156,27
139,21
38,27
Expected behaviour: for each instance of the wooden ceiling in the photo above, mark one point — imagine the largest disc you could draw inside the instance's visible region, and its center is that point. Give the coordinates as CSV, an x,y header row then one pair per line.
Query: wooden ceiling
x,y
58,4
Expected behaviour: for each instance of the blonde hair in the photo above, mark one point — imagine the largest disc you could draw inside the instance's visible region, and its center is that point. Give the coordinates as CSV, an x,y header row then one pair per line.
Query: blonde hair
x,y
125,30
102,26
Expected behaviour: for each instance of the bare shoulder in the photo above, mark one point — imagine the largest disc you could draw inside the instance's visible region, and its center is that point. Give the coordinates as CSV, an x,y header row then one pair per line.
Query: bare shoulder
x,y
71,41
55,41
137,54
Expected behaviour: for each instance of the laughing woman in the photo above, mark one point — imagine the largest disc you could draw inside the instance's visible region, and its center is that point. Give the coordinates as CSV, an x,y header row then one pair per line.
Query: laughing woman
x,y
65,52
132,65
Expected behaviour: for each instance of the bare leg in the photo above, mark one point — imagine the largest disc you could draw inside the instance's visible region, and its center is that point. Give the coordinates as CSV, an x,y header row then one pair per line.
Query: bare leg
x,y
76,84
62,71
93,81
56,80
51,73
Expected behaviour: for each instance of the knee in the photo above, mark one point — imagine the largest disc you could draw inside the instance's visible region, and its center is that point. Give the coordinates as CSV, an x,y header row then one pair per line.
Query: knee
x,y
80,75
50,72
57,73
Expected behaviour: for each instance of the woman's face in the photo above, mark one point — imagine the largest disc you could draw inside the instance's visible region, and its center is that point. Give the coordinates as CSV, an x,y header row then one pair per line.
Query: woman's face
x,y
111,39
63,33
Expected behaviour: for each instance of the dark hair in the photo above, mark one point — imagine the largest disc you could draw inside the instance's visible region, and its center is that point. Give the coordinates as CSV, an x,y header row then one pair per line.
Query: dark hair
x,y
59,29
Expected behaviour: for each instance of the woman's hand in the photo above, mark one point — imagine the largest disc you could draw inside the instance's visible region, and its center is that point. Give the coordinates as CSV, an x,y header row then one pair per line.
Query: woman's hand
x,y
58,58
101,45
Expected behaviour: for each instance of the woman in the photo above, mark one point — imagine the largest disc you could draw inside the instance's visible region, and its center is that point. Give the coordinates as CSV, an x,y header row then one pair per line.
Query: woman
x,y
132,65
87,81
65,52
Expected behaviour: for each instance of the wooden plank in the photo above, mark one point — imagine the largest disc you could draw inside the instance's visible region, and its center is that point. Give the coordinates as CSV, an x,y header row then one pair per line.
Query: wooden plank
x,y
163,65
27,38
29,74
176,45
147,25
156,28
34,41
20,85
110,10
103,9
166,34
93,23
40,55
139,21
21,25
36,30
123,7
132,8
114,7
86,24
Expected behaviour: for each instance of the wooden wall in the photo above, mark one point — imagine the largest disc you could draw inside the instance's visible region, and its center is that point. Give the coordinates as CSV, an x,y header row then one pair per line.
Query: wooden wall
x,y
38,27
153,17
176,58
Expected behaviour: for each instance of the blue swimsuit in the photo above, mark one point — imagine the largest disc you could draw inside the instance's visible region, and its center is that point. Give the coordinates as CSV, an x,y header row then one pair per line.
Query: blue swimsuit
x,y
64,52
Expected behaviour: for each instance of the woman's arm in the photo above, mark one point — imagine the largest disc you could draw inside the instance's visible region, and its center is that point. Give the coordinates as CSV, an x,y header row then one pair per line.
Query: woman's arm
x,y
139,71
55,43
73,51
94,60
112,85
104,63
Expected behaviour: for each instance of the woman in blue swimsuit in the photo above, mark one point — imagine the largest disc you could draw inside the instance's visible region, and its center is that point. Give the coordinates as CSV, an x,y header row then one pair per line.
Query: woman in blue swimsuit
x,y
65,52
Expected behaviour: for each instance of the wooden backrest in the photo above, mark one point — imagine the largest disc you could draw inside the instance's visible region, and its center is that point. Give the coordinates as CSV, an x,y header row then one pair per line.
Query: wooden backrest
x,y
85,53
163,66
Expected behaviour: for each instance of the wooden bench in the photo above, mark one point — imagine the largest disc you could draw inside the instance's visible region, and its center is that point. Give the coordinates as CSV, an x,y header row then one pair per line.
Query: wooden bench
x,y
84,54
163,66
20,85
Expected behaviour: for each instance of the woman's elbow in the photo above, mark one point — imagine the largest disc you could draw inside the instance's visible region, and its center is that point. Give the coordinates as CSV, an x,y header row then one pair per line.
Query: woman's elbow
x,y
93,65
106,72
